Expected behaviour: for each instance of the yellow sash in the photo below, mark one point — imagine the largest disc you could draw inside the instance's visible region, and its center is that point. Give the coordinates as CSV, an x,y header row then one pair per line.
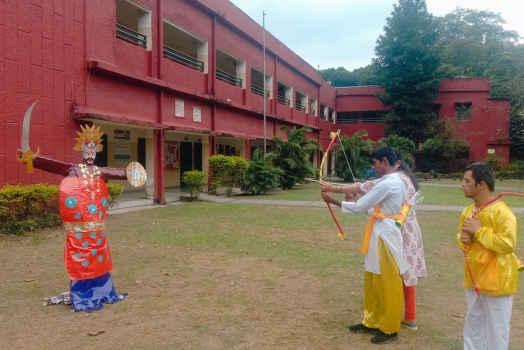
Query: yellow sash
x,y
364,247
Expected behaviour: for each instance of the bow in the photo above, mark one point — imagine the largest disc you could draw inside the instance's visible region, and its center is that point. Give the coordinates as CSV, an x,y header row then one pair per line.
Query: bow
x,y
333,135
473,281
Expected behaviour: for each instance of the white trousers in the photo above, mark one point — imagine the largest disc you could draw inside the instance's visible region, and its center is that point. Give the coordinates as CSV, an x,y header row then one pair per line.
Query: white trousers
x,y
487,321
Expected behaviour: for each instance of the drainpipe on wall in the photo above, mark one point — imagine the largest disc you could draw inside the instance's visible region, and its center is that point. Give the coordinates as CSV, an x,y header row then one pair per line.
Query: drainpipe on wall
x,y
159,167
212,77
159,184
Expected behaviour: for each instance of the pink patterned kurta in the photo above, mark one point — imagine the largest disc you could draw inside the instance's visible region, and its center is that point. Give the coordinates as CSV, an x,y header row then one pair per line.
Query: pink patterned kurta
x,y
411,235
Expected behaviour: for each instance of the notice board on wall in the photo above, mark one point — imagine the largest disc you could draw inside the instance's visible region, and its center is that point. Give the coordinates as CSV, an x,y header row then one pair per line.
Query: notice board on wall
x,y
122,147
171,159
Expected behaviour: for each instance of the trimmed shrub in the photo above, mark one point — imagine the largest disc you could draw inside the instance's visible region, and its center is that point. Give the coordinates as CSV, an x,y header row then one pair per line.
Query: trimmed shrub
x,y
114,191
194,180
518,174
237,168
219,165
26,208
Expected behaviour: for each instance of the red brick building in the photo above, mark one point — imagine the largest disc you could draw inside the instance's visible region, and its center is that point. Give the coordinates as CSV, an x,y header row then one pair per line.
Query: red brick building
x,y
483,120
176,79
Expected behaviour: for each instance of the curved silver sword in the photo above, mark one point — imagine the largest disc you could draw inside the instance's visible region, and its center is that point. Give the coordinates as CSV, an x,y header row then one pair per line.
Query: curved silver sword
x,y
24,145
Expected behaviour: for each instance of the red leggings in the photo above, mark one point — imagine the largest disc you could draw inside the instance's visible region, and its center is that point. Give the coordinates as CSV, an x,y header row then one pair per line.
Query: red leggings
x,y
410,302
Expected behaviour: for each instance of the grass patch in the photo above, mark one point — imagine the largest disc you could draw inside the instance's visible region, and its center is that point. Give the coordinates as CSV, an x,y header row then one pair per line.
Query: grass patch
x,y
223,276
435,193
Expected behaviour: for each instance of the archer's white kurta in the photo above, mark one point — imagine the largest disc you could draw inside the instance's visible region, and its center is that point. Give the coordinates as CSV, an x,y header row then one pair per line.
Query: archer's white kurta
x,y
411,234
389,194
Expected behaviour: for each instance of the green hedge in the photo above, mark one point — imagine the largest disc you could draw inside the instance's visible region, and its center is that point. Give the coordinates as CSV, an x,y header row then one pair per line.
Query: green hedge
x,y
27,208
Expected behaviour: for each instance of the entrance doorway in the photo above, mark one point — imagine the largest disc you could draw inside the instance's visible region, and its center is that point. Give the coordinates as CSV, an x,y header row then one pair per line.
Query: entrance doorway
x,y
142,151
198,155
101,157
186,159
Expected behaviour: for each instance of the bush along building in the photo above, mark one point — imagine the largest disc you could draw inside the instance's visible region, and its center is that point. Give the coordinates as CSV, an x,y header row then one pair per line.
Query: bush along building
x,y
173,82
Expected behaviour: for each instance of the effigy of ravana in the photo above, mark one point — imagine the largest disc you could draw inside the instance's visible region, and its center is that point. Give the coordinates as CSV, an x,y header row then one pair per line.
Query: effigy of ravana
x,y
84,202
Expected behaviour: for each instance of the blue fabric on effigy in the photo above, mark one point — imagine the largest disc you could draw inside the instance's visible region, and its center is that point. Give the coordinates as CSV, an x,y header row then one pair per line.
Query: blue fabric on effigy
x,y
88,295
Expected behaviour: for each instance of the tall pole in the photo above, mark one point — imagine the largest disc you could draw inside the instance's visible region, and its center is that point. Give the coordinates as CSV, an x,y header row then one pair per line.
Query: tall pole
x,y
264,79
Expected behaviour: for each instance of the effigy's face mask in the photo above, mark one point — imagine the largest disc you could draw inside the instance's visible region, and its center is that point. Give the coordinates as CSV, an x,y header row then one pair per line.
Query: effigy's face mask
x,y
89,153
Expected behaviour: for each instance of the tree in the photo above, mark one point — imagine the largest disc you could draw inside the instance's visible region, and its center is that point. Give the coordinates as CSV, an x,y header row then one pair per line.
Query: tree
x,y
480,25
406,63
358,149
405,146
516,133
473,42
342,77
292,155
448,150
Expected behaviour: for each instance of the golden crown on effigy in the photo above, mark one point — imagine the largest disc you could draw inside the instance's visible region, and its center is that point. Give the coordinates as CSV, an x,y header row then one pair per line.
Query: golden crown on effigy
x,y
89,137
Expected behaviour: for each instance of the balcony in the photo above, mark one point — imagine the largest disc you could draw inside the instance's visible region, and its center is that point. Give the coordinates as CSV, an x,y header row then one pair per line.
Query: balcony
x,y
184,59
259,91
284,101
131,36
299,107
228,78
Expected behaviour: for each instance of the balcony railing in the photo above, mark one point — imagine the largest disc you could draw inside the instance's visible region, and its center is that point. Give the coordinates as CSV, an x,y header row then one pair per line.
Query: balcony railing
x,y
131,36
184,59
299,107
347,121
228,78
313,112
322,116
284,101
372,120
361,121
259,91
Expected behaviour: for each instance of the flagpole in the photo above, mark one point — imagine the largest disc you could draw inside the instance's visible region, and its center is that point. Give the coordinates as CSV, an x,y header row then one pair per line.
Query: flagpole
x,y
264,78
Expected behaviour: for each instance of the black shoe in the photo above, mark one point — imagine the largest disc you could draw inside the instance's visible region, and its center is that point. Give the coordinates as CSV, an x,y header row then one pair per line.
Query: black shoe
x,y
382,338
360,328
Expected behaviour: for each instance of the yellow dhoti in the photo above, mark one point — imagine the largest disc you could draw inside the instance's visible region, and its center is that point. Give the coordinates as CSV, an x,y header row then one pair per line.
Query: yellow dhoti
x,y
383,295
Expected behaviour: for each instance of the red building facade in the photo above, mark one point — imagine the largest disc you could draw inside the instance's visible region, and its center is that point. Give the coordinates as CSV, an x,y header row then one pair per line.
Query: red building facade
x,y
482,120
172,82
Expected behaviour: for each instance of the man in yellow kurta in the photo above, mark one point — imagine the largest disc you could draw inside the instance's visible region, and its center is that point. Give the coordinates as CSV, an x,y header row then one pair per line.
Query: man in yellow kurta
x,y
490,238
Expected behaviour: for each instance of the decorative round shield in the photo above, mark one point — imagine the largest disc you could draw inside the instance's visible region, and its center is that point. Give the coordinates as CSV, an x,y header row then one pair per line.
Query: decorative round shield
x,y
136,174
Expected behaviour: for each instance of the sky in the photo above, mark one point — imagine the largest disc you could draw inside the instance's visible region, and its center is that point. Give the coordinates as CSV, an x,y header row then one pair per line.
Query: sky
x,y
343,33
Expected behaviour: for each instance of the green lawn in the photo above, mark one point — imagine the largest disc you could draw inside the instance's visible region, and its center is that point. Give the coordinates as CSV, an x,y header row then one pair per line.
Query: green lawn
x,y
434,192
223,276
